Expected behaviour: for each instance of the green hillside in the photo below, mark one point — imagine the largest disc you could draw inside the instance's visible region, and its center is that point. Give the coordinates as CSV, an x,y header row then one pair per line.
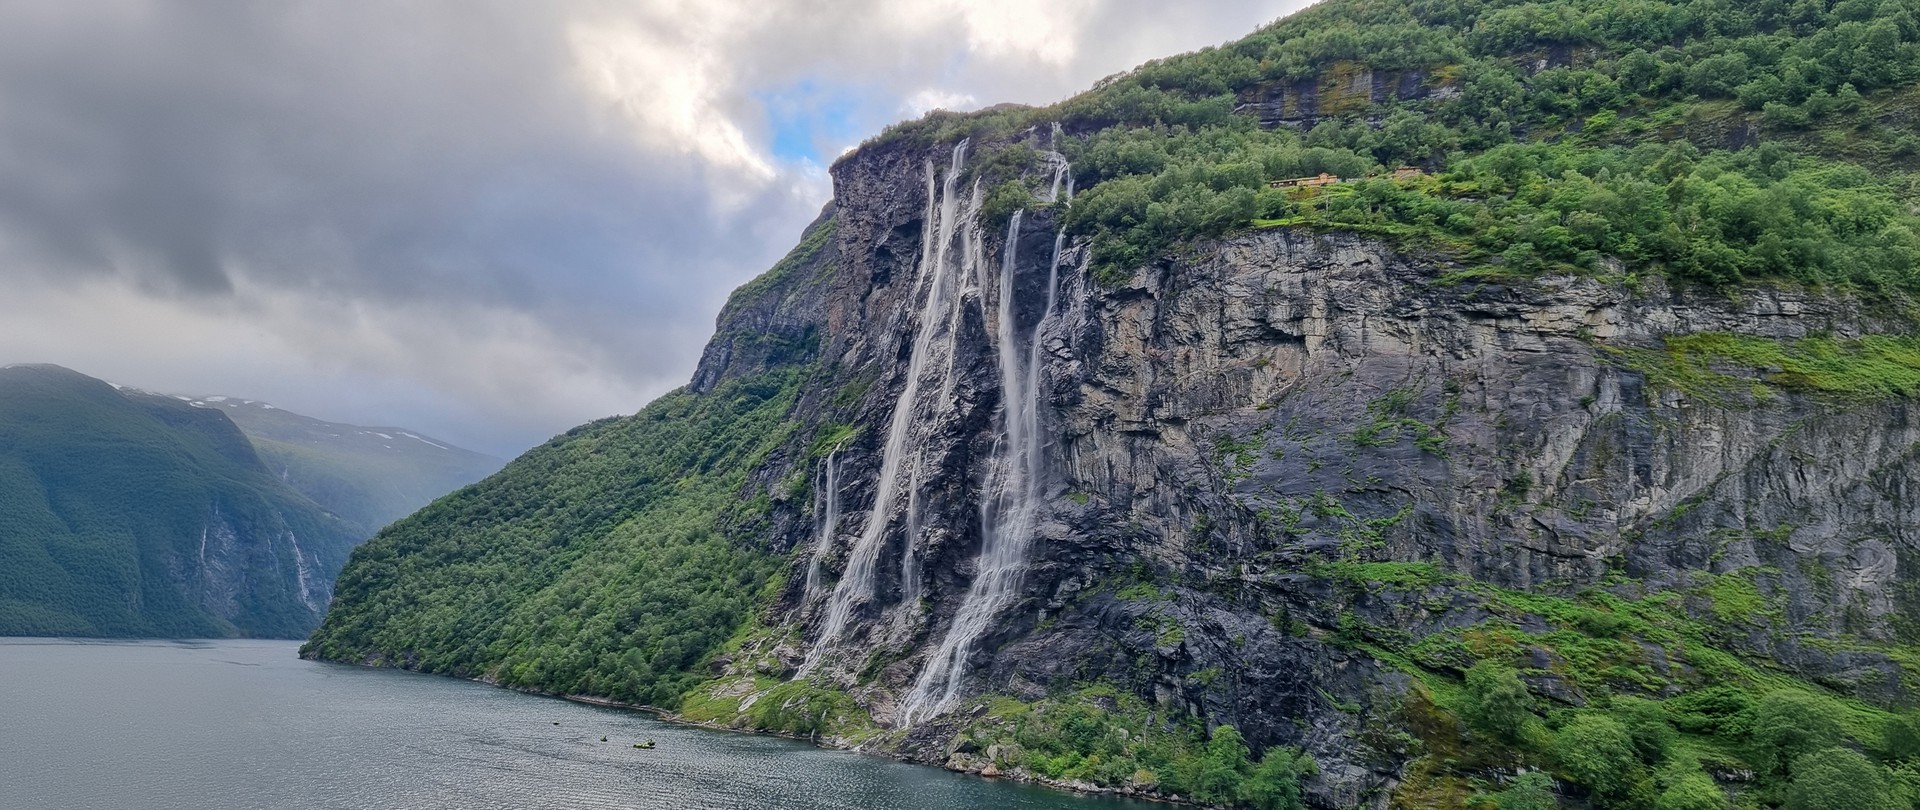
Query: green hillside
x,y
127,514
369,476
595,563
1717,142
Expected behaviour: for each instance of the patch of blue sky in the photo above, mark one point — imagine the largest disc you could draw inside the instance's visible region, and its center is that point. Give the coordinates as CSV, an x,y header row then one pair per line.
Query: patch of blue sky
x,y
808,118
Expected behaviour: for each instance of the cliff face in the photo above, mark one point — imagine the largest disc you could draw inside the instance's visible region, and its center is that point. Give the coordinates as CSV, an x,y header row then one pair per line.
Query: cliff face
x,y
1278,470
938,481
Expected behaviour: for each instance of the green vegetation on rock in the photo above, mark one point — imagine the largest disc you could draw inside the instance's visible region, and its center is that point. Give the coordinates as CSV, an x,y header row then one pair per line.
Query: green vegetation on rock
x,y
1707,363
1617,745
1731,149
799,708
1109,738
1618,148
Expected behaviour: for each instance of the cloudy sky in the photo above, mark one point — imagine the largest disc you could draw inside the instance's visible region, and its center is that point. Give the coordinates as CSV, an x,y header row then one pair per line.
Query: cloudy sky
x,y
488,221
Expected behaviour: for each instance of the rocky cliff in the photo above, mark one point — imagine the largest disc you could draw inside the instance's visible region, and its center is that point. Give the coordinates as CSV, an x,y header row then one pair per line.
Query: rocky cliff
x,y
1200,486
1318,454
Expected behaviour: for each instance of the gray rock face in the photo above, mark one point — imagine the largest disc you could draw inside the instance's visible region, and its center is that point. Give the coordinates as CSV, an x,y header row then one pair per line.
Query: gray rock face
x,y
1223,426
223,576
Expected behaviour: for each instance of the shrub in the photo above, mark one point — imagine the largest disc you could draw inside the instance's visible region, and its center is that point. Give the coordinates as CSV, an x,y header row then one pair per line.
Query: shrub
x,y
1595,750
1787,726
1900,737
1647,724
1530,791
1275,782
1839,779
1691,791
1497,702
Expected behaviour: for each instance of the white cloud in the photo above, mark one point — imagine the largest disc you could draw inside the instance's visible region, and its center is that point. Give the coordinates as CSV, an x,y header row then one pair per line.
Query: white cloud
x,y
1046,32
926,100
473,371
668,76
483,219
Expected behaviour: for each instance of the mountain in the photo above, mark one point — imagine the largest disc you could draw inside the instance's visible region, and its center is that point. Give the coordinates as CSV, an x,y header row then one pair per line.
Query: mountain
x,y
1411,404
370,476
130,514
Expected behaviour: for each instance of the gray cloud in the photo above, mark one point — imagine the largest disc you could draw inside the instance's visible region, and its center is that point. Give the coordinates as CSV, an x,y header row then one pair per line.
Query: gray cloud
x,y
489,220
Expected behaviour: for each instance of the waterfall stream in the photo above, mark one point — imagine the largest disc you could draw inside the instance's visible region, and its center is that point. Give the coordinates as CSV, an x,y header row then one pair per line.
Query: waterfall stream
x,y
827,506
303,573
953,265
972,257
934,335
1062,170
1010,505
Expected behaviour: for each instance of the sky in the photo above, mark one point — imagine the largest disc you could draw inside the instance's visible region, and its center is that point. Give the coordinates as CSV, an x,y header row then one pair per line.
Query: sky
x,y
485,220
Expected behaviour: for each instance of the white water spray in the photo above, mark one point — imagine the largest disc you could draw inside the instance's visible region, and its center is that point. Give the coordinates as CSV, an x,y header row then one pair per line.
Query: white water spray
x,y
973,252
304,574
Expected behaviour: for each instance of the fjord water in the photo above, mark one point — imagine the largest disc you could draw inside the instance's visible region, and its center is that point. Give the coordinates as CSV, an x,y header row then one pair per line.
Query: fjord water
x,y
215,725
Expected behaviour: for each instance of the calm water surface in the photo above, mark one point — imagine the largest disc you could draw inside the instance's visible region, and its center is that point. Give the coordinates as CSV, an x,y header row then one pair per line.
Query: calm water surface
x,y
247,725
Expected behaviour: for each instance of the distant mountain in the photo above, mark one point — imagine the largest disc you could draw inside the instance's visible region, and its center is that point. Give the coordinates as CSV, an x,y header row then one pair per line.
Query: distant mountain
x,y
369,476
124,513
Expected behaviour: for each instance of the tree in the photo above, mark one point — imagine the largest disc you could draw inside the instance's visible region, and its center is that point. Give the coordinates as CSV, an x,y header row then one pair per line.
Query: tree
x,y
1595,750
1407,137
1647,724
1216,774
1900,737
1497,702
1637,71
1690,790
1531,791
1787,726
1718,75
1275,782
1838,779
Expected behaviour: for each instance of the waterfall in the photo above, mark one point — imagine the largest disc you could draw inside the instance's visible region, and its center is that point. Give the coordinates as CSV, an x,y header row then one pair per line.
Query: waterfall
x,y
827,508
1009,509
303,573
1062,170
973,253
936,325
1060,175
953,265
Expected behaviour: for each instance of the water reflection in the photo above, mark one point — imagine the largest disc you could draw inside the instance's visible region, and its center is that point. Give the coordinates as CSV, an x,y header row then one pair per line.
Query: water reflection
x,y
210,725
